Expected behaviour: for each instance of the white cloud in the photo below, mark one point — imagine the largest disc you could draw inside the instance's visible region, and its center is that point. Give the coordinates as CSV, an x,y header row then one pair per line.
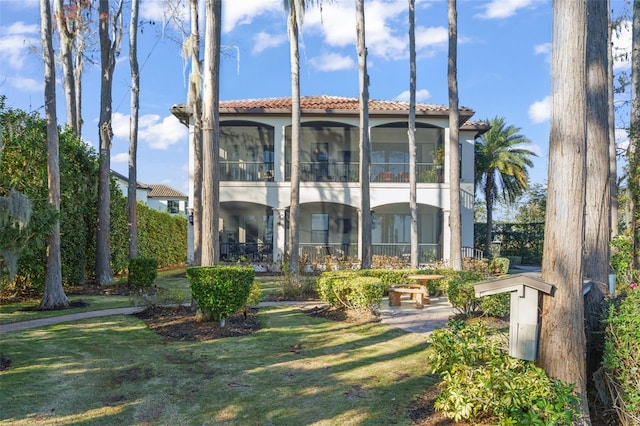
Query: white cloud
x,y
497,9
157,132
17,41
162,134
622,46
120,158
540,111
622,138
235,13
263,41
26,84
421,96
332,62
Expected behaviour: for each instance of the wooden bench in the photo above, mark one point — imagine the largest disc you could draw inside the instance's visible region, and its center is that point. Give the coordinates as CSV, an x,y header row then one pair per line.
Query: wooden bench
x,y
420,293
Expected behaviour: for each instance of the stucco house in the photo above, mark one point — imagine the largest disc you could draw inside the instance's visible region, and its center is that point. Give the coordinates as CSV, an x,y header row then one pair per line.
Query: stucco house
x,y
158,197
255,168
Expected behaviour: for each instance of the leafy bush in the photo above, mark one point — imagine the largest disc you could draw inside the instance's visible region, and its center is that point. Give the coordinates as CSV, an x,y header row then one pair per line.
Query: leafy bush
x,y
622,348
499,265
496,305
479,380
220,291
142,272
255,294
462,296
346,290
304,290
621,260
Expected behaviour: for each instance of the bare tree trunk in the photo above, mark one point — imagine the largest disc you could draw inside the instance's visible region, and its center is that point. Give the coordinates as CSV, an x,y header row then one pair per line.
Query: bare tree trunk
x,y
195,102
489,199
413,200
68,78
294,211
132,202
54,296
634,136
211,135
613,167
597,199
455,219
108,49
365,145
562,336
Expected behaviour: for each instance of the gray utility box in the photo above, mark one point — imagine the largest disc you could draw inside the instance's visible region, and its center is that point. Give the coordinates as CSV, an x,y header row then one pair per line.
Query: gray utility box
x,y
524,326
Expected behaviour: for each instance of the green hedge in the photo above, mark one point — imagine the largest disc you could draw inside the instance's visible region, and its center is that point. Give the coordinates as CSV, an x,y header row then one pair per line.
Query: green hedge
x,y
622,348
142,272
220,291
348,290
161,236
23,167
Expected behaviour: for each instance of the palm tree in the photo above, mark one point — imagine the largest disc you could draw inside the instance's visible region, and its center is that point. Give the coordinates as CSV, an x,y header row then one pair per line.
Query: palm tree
x,y
501,167
296,9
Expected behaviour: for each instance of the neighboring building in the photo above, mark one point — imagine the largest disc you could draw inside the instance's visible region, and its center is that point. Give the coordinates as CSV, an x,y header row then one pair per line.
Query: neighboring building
x,y
166,199
255,165
158,197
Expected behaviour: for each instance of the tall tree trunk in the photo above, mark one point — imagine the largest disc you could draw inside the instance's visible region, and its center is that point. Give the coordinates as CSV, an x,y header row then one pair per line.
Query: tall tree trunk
x,y
597,199
413,200
66,57
613,175
78,66
365,145
108,49
211,135
54,296
294,211
195,102
455,218
633,175
562,336
133,132
489,199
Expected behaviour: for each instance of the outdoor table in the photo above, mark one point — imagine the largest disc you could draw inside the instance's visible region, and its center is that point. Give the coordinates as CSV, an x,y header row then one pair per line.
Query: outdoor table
x,y
422,280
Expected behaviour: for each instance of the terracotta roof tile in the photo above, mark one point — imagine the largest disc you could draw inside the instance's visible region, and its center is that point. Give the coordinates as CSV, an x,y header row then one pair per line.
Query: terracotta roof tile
x,y
332,103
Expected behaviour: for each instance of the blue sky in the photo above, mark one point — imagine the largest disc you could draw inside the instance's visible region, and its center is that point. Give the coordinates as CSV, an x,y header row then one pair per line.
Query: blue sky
x,y
503,67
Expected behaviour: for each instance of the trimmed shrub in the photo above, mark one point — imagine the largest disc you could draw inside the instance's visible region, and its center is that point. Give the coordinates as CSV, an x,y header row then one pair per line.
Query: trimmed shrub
x,y
622,347
480,381
462,296
142,272
499,266
255,294
220,291
347,290
496,305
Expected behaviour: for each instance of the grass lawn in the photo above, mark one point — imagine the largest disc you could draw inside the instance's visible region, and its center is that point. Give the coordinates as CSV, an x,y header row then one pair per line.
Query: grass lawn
x,y
173,282
296,370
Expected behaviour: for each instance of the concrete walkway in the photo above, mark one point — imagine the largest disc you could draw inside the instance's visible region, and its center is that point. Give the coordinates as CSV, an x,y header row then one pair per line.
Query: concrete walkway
x,y
406,317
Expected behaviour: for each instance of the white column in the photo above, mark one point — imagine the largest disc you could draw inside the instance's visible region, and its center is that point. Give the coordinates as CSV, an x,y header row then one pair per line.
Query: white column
x,y
278,235
446,236
279,153
360,235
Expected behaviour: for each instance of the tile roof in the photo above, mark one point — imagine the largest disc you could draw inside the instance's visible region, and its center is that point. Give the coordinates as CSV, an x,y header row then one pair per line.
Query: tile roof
x,y
326,103
164,191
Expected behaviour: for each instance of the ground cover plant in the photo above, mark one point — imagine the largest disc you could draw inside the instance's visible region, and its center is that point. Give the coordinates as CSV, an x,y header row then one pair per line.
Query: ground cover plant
x,y
296,369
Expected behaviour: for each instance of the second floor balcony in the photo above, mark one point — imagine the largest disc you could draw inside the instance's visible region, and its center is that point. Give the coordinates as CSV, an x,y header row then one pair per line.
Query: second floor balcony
x,y
314,171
